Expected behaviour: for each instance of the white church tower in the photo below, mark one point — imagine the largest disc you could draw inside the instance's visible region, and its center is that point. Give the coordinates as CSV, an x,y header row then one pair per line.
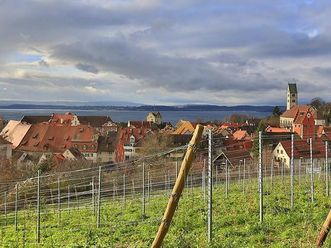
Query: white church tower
x,y
292,96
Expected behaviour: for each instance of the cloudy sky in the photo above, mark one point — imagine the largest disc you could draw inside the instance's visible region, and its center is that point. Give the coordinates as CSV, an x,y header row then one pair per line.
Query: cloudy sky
x,y
164,52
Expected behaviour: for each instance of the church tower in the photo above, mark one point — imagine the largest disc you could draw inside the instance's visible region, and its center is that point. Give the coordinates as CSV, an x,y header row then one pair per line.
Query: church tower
x,y
292,96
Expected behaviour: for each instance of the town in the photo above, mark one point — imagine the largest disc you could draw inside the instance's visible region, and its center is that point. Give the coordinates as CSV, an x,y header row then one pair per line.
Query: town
x,y
55,142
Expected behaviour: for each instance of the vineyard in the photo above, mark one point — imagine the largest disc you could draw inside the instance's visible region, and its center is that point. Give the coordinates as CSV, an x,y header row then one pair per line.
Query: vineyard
x,y
122,206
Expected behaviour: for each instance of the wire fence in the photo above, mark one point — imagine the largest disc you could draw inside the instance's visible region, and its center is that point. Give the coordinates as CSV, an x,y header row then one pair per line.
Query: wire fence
x,y
133,186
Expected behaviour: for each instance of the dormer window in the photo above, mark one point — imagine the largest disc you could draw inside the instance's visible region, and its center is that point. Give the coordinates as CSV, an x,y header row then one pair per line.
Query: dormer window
x,y
132,139
35,136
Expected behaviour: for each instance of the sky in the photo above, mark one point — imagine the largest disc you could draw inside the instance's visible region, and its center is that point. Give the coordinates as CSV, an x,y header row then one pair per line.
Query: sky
x,y
225,52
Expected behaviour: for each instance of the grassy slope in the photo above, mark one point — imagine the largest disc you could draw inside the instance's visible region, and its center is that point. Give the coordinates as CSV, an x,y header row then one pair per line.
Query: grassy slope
x,y
235,221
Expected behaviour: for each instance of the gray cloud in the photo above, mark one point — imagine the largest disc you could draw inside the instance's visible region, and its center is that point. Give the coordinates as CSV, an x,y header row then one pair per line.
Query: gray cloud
x,y
87,68
219,49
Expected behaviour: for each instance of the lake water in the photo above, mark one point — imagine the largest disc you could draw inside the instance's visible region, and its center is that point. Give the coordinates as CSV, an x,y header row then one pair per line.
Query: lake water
x,y
124,116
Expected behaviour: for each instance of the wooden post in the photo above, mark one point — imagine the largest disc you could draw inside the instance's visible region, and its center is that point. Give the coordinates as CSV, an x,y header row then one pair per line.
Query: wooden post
x,y
178,188
324,231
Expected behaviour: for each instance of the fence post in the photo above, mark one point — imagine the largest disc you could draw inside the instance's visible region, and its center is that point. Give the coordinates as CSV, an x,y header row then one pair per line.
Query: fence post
x,y
239,172
124,182
93,195
216,176
300,164
226,178
292,170
210,187
165,183
38,208
148,187
114,190
191,183
133,188
271,173
244,176
283,170
143,200
327,168
260,177
58,201
5,208
176,168
204,180
16,202
68,198
312,170
99,198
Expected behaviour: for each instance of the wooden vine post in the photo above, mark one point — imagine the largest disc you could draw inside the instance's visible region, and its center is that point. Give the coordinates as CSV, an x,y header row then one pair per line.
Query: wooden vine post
x,y
324,231
178,187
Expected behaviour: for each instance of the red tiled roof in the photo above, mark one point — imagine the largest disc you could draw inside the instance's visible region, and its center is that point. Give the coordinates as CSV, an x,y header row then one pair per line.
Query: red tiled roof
x,y
126,133
57,138
277,130
302,148
140,124
293,112
241,135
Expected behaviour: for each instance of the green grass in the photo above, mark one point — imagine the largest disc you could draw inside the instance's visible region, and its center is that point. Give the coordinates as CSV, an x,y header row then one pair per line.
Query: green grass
x,y
236,221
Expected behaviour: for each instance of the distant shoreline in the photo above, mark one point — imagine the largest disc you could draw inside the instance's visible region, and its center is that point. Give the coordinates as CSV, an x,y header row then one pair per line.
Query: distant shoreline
x,y
142,108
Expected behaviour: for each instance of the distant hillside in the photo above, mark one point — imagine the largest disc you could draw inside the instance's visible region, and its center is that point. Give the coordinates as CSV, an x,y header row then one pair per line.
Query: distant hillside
x,y
145,107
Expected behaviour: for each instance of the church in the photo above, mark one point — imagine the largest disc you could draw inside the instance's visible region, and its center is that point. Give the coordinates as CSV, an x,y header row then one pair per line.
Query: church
x,y
301,119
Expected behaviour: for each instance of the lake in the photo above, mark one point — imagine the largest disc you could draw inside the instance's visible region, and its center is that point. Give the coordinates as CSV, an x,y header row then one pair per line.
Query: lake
x,y
124,116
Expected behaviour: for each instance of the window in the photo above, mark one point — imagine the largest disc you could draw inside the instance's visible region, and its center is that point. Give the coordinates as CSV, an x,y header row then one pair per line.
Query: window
x,y
132,139
281,151
293,95
293,100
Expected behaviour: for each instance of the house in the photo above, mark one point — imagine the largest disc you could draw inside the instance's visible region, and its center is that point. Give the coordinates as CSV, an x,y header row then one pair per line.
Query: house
x,y
49,137
141,124
233,126
108,128
100,123
188,127
106,148
154,118
304,125
323,132
241,135
292,96
5,149
277,130
294,110
185,127
14,132
301,151
73,154
223,132
234,158
128,142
